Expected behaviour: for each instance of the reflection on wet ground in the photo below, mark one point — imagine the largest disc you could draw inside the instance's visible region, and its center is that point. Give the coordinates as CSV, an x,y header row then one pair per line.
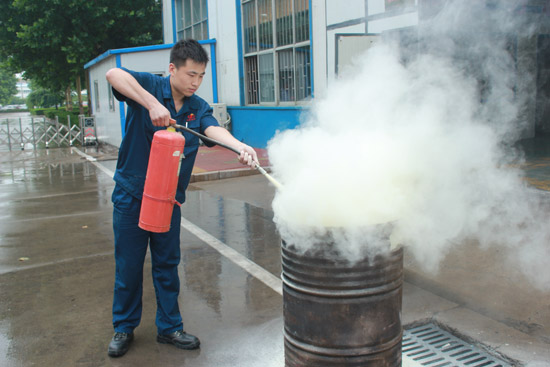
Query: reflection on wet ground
x,y
57,272
248,229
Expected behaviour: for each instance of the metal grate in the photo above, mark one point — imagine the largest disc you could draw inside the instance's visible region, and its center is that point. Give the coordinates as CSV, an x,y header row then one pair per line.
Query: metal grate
x,y
429,345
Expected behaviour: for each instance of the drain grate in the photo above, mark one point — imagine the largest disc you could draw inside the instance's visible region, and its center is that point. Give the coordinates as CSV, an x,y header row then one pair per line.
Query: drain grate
x,y
429,345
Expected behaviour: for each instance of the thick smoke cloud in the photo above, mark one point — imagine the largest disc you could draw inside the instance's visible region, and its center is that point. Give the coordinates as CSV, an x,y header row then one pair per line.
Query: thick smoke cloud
x,y
420,136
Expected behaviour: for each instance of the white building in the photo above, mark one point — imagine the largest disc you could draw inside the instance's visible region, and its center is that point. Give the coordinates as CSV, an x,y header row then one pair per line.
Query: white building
x,y
23,89
269,58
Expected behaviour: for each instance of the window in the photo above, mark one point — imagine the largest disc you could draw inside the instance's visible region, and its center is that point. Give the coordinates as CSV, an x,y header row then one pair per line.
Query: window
x,y
192,19
96,95
111,97
277,52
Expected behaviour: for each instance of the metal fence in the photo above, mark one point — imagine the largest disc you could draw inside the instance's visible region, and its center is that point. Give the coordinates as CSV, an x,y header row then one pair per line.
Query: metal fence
x,y
40,132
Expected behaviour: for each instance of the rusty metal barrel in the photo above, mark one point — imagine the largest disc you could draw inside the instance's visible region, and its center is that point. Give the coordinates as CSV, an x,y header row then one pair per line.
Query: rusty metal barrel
x,y
338,313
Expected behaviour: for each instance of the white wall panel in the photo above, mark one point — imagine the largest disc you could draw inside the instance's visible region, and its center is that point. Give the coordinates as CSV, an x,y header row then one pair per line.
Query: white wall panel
x,y
400,21
107,122
331,47
376,7
350,49
155,62
167,28
319,44
223,27
341,11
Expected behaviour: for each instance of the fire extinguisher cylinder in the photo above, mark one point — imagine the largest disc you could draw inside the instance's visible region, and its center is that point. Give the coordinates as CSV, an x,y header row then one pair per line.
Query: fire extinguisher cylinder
x,y
161,181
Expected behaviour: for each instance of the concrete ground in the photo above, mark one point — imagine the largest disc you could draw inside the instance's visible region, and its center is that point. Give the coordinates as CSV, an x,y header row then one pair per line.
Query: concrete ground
x,y
57,271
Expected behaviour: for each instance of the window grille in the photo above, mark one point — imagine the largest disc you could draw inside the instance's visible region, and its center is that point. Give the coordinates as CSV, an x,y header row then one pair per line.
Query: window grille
x,y
252,80
277,52
191,19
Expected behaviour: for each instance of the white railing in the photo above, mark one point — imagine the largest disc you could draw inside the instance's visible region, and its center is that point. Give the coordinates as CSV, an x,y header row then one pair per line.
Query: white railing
x,y
41,132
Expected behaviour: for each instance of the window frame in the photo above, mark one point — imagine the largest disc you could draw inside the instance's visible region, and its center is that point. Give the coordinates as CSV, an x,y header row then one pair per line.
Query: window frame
x,y
274,51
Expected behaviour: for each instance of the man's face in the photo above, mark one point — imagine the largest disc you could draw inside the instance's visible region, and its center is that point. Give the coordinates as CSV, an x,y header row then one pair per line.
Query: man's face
x,y
186,79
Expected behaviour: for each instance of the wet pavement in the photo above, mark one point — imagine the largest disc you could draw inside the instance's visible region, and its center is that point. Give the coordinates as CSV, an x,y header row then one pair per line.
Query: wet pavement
x,y
57,269
57,272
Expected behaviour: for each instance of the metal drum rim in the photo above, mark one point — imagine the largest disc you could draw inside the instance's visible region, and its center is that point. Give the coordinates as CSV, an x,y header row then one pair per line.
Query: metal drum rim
x,y
345,352
326,263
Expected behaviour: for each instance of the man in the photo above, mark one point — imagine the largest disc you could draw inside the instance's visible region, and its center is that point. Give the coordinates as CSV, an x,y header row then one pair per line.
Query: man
x,y
152,100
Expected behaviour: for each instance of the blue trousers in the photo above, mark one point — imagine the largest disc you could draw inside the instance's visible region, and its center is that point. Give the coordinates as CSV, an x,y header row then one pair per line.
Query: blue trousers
x,y
131,244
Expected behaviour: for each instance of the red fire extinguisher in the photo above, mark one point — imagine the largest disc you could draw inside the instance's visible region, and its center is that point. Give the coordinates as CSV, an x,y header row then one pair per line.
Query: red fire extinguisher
x,y
161,181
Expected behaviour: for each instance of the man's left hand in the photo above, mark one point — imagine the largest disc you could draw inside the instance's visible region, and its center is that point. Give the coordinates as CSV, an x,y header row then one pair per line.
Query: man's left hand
x,y
248,156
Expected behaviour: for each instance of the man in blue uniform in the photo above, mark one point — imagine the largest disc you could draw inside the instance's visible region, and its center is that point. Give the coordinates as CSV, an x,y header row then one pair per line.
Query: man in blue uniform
x,y
152,101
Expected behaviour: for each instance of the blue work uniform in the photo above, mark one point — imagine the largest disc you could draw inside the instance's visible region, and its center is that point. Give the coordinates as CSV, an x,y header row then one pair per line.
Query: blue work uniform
x,y
131,241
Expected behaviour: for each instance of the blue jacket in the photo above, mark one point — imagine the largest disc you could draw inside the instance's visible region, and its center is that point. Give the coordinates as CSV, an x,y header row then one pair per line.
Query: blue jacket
x,y
133,156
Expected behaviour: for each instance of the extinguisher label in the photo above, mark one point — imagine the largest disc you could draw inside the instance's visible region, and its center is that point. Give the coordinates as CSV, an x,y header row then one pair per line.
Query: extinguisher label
x,y
176,153
179,165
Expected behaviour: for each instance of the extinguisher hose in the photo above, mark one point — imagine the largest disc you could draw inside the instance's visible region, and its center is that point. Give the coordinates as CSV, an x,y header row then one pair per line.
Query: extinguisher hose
x,y
206,138
215,142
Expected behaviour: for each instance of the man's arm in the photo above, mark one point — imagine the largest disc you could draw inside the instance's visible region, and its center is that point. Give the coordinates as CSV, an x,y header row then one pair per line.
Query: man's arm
x,y
127,85
248,155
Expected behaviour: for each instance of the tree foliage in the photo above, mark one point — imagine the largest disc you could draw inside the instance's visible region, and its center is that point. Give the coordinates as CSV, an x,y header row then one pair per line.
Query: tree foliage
x,y
8,84
51,40
40,97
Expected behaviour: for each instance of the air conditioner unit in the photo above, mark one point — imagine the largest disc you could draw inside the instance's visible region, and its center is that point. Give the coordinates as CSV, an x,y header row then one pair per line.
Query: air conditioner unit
x,y
220,114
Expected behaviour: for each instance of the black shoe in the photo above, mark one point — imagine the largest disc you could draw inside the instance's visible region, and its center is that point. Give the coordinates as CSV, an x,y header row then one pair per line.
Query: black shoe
x,y
120,344
180,339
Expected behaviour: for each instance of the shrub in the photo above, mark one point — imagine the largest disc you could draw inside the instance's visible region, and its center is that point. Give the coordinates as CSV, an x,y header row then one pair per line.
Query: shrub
x,y
61,114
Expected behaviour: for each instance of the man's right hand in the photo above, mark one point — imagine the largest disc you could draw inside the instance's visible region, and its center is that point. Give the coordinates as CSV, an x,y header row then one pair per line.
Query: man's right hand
x,y
160,116
127,85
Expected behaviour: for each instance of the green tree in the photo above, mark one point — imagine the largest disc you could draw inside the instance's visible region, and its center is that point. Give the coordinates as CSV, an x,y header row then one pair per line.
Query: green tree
x,y
16,100
51,40
8,84
40,97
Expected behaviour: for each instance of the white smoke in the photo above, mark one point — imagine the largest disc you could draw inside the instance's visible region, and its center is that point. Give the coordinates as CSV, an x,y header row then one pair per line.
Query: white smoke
x,y
423,145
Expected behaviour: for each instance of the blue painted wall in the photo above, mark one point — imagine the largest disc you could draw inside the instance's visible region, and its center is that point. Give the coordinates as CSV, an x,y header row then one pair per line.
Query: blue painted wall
x,y
255,126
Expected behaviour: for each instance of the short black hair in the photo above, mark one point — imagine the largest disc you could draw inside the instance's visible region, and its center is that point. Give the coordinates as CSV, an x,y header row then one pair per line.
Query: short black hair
x,y
188,49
